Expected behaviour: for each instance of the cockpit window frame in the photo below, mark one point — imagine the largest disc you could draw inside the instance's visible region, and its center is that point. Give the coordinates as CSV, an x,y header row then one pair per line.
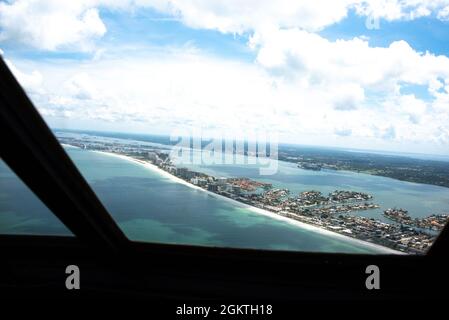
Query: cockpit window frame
x,y
54,178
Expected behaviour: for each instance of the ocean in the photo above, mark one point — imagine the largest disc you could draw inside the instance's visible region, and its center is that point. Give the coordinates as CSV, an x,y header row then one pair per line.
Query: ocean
x,y
152,208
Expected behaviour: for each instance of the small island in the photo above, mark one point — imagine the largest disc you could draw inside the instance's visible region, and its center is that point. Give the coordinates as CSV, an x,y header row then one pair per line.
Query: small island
x,y
433,222
333,212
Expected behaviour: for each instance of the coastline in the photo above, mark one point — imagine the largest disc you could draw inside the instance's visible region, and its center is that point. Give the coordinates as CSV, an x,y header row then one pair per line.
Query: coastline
x,y
69,146
303,225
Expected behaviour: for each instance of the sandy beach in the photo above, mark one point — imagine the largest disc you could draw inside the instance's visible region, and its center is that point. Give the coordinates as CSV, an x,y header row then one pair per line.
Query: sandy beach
x,y
267,213
69,146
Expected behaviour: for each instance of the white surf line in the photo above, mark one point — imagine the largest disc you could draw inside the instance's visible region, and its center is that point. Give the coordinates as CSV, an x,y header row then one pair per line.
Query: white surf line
x,y
69,146
264,212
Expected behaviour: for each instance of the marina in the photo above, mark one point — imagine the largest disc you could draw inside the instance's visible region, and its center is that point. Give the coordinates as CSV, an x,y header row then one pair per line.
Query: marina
x,y
338,211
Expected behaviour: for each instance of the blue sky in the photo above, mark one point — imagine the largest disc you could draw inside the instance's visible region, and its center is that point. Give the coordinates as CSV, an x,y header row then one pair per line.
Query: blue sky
x,y
424,34
308,71
149,27
146,27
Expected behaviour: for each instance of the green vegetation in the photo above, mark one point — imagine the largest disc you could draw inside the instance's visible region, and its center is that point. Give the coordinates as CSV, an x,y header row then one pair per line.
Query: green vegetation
x,y
397,167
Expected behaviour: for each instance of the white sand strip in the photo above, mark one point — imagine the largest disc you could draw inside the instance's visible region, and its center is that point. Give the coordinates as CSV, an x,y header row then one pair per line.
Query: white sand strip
x,y
69,146
267,213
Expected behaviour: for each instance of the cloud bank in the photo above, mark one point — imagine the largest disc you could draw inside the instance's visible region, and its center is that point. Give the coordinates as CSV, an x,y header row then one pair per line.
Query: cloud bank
x,y
301,84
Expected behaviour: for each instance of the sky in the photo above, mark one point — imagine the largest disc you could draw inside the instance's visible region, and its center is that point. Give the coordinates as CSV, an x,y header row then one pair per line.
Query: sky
x,y
368,74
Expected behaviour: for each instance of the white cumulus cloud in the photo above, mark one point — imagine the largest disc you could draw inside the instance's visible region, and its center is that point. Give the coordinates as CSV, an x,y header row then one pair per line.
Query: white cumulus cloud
x,y
51,24
302,85
55,24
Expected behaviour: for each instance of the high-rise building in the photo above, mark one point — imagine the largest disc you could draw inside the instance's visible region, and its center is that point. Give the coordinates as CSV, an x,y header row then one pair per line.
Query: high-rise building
x,y
182,172
212,187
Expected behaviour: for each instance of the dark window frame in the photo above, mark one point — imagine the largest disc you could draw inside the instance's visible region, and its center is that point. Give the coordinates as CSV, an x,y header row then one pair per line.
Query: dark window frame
x,y
53,177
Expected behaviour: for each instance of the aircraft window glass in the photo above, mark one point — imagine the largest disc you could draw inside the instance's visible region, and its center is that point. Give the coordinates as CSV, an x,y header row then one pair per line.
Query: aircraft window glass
x,y
21,212
289,127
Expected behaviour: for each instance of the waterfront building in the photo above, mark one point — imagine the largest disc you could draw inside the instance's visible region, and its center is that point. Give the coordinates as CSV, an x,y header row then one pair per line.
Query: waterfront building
x,y
212,187
181,172
236,189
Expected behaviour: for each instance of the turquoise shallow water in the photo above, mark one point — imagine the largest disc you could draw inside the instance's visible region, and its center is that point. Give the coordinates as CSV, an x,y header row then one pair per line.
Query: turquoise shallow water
x,y
152,208
21,212
419,199
149,207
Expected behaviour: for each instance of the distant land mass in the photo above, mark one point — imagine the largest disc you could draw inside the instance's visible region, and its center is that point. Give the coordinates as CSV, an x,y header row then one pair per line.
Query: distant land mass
x,y
400,167
403,168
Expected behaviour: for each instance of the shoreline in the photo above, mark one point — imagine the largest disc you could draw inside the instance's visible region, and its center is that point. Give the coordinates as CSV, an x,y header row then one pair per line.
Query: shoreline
x,y
69,146
303,225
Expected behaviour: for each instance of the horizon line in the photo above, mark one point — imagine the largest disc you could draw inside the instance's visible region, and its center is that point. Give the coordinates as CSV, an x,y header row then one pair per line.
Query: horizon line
x,y
346,149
